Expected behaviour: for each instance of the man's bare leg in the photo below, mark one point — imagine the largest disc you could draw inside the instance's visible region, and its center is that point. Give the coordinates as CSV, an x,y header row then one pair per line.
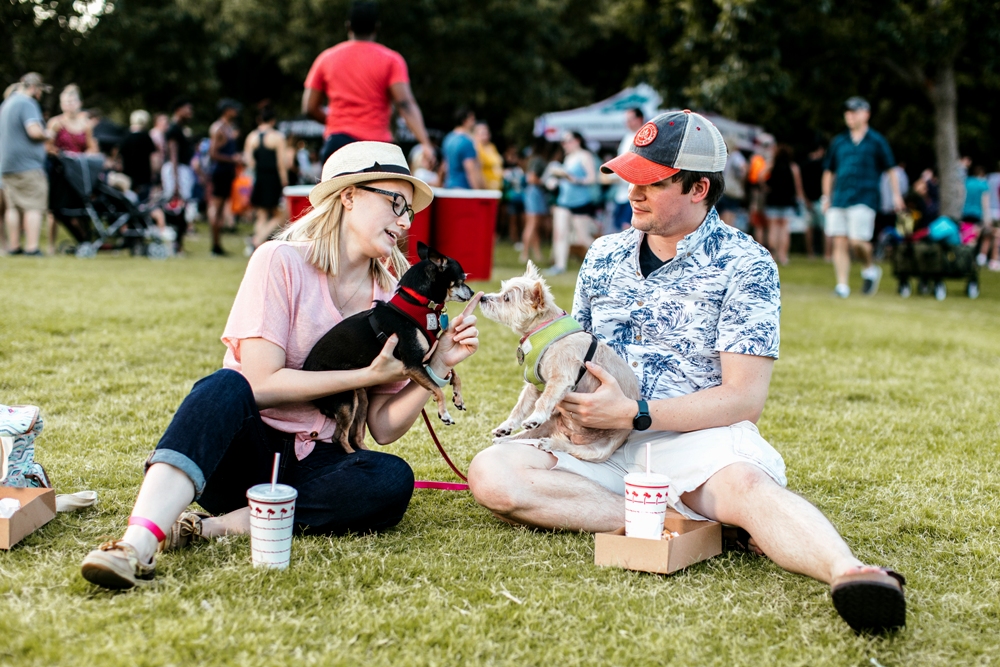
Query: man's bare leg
x,y
841,259
12,222
789,529
32,230
517,483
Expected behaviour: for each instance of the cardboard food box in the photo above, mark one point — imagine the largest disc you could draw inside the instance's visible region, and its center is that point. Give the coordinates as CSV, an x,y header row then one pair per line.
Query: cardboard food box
x,y
38,507
696,541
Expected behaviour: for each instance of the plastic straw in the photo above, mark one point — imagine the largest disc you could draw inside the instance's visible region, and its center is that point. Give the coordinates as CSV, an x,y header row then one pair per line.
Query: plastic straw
x,y
647,458
274,473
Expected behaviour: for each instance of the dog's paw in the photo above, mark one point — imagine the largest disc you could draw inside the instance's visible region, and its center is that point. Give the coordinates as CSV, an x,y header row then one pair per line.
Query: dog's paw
x,y
446,418
534,421
459,403
544,444
502,430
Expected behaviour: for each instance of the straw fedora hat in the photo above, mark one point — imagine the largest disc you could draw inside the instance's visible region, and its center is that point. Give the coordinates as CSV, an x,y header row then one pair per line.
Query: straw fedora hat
x,y
364,161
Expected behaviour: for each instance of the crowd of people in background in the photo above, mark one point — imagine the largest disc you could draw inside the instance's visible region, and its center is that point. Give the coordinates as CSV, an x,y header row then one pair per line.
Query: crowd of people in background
x,y
844,197
173,175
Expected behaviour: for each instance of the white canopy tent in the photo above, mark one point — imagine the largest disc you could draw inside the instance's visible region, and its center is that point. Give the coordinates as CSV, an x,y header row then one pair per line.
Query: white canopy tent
x,y
604,122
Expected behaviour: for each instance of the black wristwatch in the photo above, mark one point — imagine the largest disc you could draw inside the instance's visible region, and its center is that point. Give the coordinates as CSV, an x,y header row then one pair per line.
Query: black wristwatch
x,y
642,420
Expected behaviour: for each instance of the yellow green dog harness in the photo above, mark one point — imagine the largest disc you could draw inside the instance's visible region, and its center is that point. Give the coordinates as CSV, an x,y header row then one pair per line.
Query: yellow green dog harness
x,y
529,352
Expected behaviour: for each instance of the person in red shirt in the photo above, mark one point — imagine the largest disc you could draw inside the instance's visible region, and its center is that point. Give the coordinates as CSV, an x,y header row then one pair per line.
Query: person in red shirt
x,y
362,81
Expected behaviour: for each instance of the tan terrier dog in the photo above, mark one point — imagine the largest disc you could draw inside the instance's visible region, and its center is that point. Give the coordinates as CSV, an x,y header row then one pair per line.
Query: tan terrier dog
x,y
554,348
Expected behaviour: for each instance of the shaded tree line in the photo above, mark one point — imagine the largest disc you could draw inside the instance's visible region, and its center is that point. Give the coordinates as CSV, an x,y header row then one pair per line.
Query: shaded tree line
x,y
927,66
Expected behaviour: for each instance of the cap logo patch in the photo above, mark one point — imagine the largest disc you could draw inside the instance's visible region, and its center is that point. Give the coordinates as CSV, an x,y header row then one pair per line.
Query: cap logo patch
x,y
645,135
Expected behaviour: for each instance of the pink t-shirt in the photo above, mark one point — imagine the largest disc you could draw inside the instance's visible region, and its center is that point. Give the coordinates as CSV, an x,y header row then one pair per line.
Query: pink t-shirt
x,y
286,300
356,76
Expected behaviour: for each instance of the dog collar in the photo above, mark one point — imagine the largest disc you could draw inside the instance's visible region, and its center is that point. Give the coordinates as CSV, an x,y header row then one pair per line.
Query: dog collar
x,y
426,314
529,352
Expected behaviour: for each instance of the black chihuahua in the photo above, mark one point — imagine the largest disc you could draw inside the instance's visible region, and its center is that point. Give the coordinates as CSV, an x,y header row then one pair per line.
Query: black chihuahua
x,y
414,315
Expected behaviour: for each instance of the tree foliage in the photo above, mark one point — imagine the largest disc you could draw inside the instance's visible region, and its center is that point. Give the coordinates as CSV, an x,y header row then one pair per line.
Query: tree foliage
x,y
788,65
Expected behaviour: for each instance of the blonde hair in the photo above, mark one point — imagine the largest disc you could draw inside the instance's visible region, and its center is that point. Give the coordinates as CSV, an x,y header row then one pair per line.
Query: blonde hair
x,y
139,117
320,228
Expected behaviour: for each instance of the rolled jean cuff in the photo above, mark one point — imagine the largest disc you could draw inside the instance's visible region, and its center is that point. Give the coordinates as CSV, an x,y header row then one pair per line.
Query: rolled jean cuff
x,y
182,463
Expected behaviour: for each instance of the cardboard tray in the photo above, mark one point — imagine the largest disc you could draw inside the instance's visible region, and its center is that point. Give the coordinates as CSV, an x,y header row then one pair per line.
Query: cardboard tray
x,y
38,507
698,541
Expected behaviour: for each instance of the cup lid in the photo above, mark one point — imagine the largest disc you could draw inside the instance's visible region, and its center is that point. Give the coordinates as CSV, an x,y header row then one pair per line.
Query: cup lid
x,y
647,479
262,492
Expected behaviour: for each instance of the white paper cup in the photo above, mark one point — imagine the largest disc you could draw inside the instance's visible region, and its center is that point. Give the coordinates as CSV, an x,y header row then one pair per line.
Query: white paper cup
x,y
646,497
272,517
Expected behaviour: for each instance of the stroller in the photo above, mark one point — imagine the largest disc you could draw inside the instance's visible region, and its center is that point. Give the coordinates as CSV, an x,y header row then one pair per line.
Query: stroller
x,y
931,255
98,216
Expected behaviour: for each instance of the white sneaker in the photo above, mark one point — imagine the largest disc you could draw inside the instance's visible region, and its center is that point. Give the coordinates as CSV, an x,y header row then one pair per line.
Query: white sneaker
x,y
980,259
871,277
843,291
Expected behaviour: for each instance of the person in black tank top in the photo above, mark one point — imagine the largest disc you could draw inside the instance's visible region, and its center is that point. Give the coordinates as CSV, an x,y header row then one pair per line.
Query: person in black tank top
x,y
225,155
265,153
784,192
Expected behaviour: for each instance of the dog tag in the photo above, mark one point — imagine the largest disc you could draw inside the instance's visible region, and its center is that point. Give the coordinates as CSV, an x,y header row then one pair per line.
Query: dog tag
x,y
432,322
444,321
523,349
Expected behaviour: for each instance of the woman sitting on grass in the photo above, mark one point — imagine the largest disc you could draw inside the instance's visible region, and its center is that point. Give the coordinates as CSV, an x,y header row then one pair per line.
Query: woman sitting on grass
x,y
328,265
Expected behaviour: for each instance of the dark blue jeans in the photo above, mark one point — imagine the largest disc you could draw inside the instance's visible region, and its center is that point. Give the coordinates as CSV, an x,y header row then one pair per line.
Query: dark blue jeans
x,y
218,439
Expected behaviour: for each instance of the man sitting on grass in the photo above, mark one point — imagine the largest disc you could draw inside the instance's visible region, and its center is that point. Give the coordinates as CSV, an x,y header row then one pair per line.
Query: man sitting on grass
x,y
692,305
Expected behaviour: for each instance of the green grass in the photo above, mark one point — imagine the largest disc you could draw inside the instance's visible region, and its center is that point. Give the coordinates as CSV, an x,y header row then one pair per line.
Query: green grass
x,y
885,411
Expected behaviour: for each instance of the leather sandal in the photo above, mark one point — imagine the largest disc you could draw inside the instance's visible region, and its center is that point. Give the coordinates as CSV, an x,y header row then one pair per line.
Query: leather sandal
x,y
870,602
184,532
116,565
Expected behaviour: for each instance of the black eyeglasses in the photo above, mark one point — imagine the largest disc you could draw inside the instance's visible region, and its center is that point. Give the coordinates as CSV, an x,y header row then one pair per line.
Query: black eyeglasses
x,y
399,205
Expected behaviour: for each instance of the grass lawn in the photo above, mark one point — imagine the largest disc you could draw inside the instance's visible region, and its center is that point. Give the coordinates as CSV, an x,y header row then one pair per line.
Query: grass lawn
x,y
884,409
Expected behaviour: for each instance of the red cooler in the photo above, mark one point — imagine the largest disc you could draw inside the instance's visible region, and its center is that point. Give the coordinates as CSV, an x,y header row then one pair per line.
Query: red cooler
x,y
297,197
420,230
464,224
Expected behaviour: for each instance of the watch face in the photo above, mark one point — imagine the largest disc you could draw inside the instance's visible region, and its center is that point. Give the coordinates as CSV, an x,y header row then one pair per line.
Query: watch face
x,y
642,422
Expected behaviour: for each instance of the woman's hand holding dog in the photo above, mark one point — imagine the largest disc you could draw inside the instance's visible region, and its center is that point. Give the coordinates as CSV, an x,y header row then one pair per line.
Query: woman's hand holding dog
x,y
607,407
386,368
460,341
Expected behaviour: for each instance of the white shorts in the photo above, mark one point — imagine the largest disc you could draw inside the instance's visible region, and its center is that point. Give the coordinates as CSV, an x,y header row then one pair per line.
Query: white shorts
x,y
688,459
185,175
855,222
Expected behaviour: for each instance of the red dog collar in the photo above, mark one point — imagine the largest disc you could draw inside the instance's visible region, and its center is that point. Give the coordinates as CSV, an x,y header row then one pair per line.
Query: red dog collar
x,y
426,314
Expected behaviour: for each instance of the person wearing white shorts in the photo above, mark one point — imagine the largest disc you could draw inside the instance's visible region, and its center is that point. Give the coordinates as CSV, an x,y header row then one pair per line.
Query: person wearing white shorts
x,y
856,222
692,306
688,459
852,175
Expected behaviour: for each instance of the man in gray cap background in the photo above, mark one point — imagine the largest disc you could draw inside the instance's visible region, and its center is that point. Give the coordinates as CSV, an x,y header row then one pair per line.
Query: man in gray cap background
x,y
851,194
692,305
22,164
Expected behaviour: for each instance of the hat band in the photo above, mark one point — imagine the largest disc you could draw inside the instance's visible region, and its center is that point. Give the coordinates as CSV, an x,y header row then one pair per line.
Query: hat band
x,y
378,168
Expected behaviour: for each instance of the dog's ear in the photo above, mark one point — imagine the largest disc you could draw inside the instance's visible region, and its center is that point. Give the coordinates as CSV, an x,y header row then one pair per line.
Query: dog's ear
x,y
422,250
531,271
439,260
537,294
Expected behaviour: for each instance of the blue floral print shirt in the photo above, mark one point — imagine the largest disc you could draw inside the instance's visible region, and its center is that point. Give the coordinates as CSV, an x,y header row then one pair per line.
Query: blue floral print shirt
x,y
719,294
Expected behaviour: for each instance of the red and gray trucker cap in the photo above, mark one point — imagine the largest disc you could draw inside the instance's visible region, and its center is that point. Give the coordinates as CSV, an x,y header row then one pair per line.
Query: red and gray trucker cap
x,y
671,142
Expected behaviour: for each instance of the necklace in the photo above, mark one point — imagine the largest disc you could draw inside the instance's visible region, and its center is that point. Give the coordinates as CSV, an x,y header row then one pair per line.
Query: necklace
x,y
340,306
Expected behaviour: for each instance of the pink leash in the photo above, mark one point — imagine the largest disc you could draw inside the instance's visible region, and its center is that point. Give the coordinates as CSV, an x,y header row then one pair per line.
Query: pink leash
x,y
443,486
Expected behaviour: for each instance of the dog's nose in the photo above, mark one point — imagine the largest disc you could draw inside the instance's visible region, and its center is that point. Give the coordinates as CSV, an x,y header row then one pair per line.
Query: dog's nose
x,y
484,298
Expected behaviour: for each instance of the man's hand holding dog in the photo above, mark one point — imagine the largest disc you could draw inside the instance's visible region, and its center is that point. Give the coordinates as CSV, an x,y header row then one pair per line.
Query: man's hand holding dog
x,y
460,341
607,407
